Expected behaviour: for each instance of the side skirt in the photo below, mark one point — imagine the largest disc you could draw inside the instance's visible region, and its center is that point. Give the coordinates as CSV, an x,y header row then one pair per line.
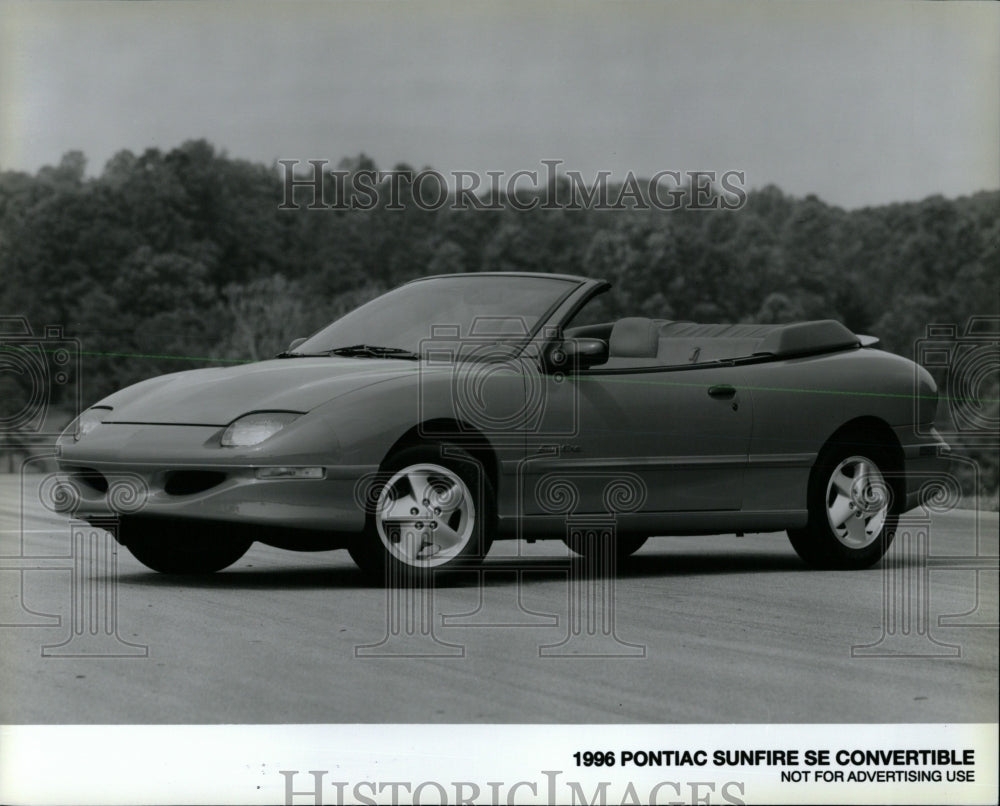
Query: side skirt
x,y
553,527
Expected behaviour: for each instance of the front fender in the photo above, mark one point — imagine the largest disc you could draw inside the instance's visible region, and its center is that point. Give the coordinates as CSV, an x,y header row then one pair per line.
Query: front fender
x,y
485,400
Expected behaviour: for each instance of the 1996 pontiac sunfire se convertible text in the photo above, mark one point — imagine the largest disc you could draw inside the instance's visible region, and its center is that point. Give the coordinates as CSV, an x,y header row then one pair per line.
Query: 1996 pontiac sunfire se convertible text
x,y
462,408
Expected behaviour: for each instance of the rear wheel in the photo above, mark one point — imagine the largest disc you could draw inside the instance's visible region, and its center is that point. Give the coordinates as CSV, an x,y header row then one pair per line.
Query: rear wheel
x,y
435,510
852,516
172,549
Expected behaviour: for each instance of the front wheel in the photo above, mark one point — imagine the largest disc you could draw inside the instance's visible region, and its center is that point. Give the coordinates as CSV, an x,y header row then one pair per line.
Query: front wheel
x,y
852,517
435,510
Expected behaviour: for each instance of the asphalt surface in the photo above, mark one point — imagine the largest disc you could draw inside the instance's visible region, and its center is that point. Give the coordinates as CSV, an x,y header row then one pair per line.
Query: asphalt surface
x,y
691,630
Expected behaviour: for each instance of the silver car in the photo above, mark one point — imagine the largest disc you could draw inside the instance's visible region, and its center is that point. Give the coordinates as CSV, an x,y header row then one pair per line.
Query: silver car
x,y
460,409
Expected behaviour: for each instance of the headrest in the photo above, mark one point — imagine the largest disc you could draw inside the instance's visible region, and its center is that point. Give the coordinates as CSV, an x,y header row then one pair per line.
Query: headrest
x,y
634,337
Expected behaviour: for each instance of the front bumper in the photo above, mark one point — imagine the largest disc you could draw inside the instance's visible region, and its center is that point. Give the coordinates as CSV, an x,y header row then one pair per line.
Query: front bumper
x,y
179,473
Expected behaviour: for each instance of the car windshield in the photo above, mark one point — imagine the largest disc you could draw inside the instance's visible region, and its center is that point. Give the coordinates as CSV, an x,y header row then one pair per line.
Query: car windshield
x,y
422,315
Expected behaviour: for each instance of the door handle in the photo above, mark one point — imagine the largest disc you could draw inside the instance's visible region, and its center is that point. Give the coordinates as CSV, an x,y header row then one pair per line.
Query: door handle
x,y
723,391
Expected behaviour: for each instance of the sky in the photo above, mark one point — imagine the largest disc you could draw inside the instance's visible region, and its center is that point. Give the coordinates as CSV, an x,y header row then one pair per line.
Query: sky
x,y
857,102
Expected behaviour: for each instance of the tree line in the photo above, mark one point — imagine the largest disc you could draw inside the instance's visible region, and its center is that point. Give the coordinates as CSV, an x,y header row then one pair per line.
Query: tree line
x,y
168,260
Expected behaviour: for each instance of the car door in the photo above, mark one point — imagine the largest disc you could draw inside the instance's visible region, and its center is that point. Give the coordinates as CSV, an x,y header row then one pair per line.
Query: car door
x,y
683,432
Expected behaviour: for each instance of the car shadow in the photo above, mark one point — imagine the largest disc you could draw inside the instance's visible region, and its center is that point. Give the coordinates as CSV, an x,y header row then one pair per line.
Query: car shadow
x,y
494,572
256,578
663,564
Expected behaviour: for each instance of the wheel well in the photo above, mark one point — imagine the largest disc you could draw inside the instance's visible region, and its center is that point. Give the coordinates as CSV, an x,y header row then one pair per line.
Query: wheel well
x,y
455,433
875,433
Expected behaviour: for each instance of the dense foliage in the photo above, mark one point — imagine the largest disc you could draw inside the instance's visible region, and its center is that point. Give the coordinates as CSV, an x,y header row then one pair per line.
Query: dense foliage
x,y
171,260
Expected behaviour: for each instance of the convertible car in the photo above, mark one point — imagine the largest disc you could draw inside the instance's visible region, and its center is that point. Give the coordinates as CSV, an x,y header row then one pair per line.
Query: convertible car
x,y
460,409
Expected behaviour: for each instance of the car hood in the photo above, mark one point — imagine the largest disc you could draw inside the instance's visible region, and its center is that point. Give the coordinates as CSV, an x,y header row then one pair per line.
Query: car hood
x,y
217,396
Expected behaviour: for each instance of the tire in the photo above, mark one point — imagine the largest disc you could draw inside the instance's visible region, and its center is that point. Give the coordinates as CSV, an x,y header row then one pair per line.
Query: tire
x,y
625,545
175,549
435,510
852,510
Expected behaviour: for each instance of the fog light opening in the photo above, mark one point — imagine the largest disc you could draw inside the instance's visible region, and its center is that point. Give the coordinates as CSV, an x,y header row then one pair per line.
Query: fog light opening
x,y
191,482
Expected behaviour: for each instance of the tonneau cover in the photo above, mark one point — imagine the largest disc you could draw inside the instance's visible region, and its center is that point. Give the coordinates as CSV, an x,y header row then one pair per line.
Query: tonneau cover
x,y
689,342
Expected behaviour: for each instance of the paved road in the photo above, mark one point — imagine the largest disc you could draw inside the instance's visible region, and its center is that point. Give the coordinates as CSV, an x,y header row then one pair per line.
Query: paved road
x,y
693,629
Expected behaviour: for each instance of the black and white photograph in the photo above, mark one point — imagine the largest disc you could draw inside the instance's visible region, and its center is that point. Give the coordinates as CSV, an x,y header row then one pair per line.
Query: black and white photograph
x,y
499,402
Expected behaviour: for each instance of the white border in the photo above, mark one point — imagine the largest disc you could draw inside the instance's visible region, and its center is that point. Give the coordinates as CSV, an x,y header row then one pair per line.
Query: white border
x,y
242,763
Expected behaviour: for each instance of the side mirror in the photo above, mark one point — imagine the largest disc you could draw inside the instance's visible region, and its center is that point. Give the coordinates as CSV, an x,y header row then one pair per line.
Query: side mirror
x,y
573,354
295,343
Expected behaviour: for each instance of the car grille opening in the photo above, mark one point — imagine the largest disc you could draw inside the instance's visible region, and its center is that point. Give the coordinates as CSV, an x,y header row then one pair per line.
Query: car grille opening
x,y
91,478
189,482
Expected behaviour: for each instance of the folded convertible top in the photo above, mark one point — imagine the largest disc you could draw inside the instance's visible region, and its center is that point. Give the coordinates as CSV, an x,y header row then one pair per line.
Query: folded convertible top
x,y
688,342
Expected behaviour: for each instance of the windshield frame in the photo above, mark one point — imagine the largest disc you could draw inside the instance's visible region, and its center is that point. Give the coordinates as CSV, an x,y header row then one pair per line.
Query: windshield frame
x,y
516,343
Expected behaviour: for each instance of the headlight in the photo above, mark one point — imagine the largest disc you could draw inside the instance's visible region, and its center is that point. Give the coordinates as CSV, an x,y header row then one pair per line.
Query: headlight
x,y
86,423
251,429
